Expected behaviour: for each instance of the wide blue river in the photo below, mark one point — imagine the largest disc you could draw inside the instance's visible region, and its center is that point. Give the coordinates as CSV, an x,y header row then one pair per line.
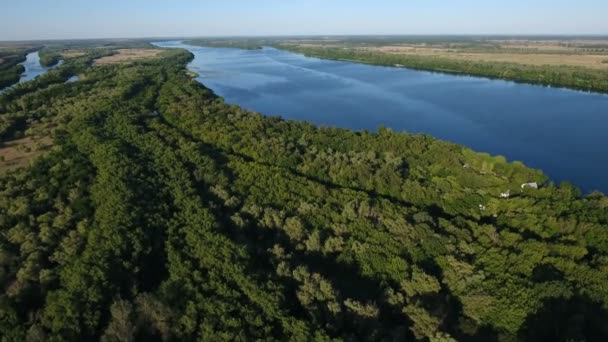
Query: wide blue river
x,y
563,132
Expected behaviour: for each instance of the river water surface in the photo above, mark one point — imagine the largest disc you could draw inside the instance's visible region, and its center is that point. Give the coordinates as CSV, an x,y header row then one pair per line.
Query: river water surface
x,y
33,69
563,132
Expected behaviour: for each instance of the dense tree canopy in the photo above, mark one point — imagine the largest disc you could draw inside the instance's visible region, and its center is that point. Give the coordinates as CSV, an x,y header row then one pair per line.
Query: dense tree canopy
x,y
49,57
162,213
10,69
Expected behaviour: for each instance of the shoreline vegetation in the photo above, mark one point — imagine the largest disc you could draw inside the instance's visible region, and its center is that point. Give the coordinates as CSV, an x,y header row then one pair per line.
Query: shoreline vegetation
x,y
155,211
10,67
49,58
458,57
575,78
12,57
51,53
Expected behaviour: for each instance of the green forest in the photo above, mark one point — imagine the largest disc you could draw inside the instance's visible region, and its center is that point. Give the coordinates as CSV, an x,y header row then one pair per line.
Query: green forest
x,y
161,213
10,69
49,57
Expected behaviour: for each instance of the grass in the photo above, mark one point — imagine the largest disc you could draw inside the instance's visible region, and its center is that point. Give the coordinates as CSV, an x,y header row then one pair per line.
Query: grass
x,y
518,52
19,153
581,60
127,55
72,53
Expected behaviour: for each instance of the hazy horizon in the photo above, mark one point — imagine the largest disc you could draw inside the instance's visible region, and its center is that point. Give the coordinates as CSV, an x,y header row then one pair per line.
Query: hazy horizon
x,y
71,19
439,35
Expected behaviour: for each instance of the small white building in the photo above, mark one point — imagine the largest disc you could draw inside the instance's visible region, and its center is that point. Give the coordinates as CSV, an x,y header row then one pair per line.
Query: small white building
x,y
532,185
506,194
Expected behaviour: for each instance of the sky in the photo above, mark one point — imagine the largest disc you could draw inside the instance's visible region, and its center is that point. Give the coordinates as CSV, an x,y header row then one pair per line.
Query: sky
x,y
69,19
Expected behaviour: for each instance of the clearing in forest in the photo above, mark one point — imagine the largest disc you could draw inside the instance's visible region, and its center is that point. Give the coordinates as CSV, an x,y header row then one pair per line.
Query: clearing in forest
x,y
72,53
18,153
127,55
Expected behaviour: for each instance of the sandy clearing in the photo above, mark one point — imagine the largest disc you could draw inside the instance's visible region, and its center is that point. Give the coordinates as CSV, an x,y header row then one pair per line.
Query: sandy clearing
x,y
19,153
126,55
72,53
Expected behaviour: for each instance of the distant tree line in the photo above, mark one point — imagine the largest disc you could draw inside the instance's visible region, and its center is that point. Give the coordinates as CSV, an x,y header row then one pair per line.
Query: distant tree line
x,y
10,69
580,78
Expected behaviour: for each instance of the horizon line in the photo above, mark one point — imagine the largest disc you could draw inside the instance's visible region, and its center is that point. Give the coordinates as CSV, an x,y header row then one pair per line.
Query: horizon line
x,y
483,35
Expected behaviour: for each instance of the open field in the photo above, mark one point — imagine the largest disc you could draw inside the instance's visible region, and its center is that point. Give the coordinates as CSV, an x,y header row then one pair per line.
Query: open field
x,y
20,152
127,55
16,46
577,53
591,61
573,45
72,53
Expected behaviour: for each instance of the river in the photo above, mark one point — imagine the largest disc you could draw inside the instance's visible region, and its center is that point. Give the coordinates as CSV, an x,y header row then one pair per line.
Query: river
x,y
33,69
562,132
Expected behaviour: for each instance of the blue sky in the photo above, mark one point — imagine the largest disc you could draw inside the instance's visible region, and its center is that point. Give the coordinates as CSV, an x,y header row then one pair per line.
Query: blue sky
x,y
56,19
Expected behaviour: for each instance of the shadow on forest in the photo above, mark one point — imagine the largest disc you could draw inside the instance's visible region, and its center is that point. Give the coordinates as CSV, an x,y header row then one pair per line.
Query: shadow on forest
x,y
575,319
259,240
